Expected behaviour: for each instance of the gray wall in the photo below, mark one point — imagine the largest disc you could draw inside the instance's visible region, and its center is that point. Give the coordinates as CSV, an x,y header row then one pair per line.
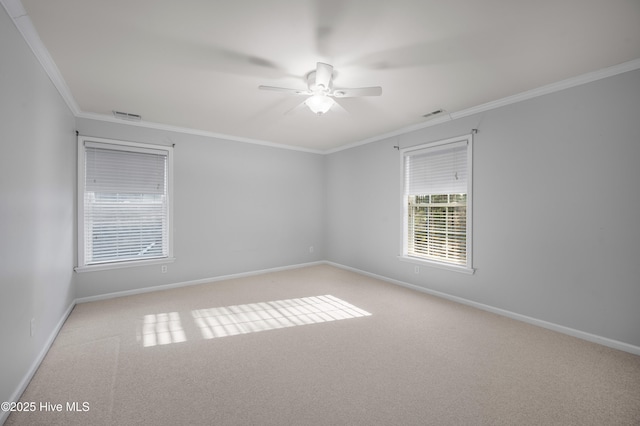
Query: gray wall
x,y
556,234
238,207
37,208
556,208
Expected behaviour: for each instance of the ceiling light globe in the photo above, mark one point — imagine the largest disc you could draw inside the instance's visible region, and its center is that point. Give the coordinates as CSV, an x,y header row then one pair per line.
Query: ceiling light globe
x,y
319,104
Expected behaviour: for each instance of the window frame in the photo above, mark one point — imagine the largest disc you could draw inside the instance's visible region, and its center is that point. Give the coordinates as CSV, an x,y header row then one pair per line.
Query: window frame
x,y
404,232
131,147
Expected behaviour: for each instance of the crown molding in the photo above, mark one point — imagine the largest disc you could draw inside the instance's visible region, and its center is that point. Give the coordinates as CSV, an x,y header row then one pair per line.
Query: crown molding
x,y
14,8
432,122
552,88
191,131
18,14
23,23
529,94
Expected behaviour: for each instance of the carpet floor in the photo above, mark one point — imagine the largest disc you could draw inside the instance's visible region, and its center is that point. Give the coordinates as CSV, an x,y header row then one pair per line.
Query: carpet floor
x,y
320,346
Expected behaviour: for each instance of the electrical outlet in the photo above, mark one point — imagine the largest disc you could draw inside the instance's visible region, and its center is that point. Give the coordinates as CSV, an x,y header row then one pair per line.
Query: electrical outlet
x,y
310,249
32,327
416,269
164,269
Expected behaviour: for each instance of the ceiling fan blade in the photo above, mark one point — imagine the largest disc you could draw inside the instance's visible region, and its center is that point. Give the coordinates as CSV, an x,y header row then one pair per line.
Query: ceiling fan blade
x,y
328,14
353,93
285,90
301,107
339,108
323,75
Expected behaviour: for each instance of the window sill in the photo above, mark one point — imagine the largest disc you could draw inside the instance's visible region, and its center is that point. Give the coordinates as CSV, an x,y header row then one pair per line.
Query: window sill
x,y
425,262
121,265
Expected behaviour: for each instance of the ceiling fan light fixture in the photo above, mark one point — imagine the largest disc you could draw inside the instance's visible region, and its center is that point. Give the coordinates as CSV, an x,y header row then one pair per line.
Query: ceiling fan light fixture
x,y
320,87
319,103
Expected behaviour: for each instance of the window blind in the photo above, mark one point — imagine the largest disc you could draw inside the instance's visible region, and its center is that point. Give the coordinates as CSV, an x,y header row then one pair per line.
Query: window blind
x,y
125,203
436,182
437,170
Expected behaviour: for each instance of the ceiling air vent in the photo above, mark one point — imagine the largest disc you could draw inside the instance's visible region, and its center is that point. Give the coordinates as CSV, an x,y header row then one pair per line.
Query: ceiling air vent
x,y
127,116
433,113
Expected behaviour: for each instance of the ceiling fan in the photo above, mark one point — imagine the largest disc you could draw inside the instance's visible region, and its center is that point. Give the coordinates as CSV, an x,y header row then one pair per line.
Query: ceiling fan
x,y
321,91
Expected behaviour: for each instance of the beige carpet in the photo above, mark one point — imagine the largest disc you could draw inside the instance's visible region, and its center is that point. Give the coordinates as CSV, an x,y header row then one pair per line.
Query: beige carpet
x,y
321,346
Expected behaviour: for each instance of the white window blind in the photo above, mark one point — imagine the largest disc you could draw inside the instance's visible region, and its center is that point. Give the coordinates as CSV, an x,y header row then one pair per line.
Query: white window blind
x,y
436,202
125,205
438,170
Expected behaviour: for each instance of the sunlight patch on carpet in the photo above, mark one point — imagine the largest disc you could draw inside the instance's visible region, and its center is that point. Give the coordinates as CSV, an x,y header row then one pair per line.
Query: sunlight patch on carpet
x,y
162,329
254,317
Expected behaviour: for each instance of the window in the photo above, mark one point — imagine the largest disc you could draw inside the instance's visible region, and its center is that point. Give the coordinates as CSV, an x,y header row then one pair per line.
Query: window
x,y
436,203
124,203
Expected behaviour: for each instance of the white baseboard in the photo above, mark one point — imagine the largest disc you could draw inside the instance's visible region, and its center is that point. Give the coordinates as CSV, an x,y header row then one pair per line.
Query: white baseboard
x,y
530,320
36,363
193,282
615,344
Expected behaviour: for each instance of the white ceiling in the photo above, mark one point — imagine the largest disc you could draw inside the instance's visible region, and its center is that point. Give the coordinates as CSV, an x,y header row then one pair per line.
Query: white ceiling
x,y
197,64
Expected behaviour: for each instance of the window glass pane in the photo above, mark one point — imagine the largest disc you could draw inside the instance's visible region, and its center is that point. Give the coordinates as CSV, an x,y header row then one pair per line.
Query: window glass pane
x,y
440,198
437,230
458,198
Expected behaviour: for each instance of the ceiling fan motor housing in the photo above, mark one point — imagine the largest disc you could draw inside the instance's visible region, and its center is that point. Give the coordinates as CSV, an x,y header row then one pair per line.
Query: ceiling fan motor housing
x,y
311,83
